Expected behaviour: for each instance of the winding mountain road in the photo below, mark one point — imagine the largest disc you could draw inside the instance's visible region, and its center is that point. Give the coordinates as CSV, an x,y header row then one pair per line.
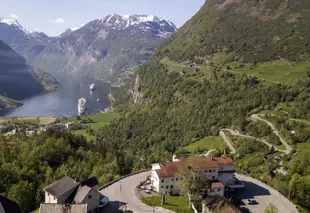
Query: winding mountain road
x,y
255,117
251,137
228,143
288,147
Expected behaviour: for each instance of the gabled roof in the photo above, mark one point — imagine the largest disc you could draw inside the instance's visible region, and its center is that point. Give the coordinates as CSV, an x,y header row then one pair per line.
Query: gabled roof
x,y
224,161
8,206
61,186
81,194
217,185
170,169
91,182
62,208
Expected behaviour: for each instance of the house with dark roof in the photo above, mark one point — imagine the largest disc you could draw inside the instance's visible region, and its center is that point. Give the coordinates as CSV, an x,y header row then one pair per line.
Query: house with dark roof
x,y
67,193
219,170
60,191
8,206
87,195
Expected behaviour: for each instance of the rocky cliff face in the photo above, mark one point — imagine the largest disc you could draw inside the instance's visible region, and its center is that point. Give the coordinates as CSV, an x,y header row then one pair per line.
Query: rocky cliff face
x,y
19,80
108,49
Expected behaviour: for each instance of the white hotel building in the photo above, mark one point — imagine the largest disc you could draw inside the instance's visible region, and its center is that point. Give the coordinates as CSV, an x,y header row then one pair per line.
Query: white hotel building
x,y
219,170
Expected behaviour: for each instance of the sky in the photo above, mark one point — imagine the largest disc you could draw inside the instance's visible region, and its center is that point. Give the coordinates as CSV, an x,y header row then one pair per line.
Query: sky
x,y
53,17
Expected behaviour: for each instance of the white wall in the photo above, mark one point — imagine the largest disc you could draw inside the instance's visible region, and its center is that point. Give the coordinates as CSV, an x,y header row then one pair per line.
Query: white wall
x,y
214,192
50,198
92,200
212,174
155,181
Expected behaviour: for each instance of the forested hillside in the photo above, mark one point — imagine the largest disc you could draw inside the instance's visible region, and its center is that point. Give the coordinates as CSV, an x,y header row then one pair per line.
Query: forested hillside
x,y
246,30
18,80
195,84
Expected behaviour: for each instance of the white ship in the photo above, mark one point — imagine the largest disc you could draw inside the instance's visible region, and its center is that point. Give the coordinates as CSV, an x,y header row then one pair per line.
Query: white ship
x,y
92,87
82,106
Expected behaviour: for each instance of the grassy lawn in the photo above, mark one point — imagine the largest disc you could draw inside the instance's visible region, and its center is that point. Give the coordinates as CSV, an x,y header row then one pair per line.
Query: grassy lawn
x,y
178,204
96,126
100,120
302,150
205,144
280,147
85,134
100,117
29,120
172,66
276,71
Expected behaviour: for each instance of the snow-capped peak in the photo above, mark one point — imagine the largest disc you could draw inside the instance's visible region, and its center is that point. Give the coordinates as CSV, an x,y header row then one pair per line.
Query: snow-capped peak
x,y
131,20
11,22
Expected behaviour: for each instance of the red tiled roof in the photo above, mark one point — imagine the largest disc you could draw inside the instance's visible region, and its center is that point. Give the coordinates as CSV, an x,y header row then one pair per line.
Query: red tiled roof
x,y
168,169
224,161
217,185
171,168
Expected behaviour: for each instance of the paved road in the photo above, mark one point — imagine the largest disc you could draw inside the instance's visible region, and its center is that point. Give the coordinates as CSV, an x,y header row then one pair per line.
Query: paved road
x,y
264,195
122,193
288,147
231,147
251,137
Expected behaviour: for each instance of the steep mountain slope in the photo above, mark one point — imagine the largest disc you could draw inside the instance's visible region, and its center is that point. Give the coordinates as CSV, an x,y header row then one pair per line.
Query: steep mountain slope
x,y
19,80
187,90
109,48
248,30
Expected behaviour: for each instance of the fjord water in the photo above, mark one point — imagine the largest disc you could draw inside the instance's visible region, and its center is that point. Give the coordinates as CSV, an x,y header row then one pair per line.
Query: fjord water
x,y
63,102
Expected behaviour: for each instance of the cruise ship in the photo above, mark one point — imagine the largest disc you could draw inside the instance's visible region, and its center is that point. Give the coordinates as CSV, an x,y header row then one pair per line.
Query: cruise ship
x,y
92,87
82,106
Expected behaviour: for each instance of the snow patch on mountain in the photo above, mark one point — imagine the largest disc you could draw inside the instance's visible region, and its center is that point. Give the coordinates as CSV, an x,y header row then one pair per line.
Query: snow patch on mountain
x,y
15,23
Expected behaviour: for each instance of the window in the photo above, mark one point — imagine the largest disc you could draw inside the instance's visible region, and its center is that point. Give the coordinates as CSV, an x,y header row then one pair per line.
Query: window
x,y
162,187
167,187
219,190
210,170
171,187
89,196
213,170
162,180
206,171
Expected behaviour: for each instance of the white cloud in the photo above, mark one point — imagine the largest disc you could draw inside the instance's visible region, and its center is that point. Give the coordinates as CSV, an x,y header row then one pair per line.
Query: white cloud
x,y
58,21
14,16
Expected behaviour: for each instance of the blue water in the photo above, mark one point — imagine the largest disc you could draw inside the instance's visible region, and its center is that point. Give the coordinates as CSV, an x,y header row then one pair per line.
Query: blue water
x,y
63,102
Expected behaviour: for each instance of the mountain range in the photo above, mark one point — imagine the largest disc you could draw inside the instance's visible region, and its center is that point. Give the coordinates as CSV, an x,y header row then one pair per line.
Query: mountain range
x,y
108,49
18,80
232,60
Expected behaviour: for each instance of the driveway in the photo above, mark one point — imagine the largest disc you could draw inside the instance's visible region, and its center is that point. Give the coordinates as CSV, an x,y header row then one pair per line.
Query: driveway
x,y
123,193
264,195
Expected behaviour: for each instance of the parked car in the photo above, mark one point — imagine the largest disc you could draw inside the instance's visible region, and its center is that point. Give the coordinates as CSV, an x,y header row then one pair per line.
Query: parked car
x,y
147,191
104,201
251,201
